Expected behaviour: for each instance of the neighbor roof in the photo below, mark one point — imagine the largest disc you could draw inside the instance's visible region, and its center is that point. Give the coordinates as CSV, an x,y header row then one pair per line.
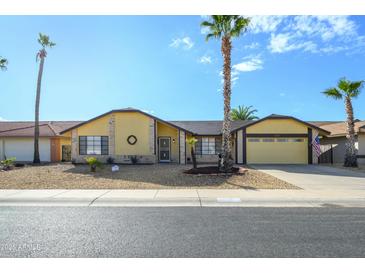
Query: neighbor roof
x,y
26,129
340,128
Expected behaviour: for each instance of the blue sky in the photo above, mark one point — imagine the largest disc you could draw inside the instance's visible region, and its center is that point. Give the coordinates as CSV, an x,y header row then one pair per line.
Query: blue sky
x,y
163,65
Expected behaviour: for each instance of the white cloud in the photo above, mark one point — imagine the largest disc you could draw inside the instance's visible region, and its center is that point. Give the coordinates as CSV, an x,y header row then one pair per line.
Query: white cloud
x,y
3,119
253,45
315,34
205,59
263,23
285,42
250,63
185,43
282,94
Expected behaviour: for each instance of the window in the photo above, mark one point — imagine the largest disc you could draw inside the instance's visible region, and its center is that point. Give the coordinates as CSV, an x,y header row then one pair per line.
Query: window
x,y
254,140
208,146
282,140
268,140
297,140
93,145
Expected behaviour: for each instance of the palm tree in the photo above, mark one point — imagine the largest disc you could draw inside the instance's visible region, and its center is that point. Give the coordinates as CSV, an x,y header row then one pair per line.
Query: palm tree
x,y
347,90
41,55
225,27
243,113
3,63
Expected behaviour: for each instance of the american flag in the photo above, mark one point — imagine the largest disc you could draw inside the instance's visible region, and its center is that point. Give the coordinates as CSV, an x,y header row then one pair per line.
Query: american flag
x,y
316,146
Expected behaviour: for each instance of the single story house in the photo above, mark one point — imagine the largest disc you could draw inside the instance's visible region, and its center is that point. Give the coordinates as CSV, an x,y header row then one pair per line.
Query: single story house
x,y
126,133
333,145
16,140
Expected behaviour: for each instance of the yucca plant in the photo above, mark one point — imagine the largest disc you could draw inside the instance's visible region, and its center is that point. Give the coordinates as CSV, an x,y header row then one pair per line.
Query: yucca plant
x,y
93,163
192,141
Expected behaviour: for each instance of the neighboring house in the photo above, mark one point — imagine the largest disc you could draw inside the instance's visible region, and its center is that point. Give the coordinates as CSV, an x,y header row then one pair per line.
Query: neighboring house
x,y
333,145
16,140
121,134
124,133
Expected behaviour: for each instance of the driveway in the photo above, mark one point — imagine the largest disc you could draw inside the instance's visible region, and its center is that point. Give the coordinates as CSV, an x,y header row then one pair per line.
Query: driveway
x,y
316,177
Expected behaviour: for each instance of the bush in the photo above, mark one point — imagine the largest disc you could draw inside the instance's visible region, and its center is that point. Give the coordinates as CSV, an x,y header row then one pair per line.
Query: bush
x,y
7,164
134,160
110,160
93,163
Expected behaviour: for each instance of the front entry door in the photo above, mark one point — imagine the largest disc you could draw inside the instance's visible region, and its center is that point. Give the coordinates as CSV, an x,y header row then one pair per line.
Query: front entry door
x,y
164,149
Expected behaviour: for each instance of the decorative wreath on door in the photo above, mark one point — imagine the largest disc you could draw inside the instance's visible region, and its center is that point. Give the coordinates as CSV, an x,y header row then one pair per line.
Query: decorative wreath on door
x,y
132,139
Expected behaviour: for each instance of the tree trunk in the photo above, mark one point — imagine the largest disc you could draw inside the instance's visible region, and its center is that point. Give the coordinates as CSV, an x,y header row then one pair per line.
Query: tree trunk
x,y
36,159
350,155
227,162
193,157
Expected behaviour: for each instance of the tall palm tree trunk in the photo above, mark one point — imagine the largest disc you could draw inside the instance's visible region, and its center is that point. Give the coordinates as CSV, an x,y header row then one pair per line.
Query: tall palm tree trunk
x,y
226,130
36,158
350,155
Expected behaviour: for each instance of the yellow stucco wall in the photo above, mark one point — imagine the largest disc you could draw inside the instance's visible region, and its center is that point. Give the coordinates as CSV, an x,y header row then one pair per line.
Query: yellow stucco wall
x,y
64,141
131,123
164,130
98,127
278,126
278,152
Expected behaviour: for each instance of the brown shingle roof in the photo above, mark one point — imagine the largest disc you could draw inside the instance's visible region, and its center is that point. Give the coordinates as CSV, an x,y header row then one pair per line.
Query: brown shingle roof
x,y
26,129
339,128
208,127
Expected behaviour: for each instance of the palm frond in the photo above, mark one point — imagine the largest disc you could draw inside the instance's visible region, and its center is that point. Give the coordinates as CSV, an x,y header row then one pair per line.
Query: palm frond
x,y
45,41
225,25
355,88
345,88
3,63
243,113
333,93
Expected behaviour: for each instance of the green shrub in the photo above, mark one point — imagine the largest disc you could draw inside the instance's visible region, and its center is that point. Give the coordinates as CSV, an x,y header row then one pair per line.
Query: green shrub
x,y
7,164
93,163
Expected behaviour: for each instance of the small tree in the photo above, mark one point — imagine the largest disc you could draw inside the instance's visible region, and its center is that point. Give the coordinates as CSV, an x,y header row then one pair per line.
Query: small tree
x,y
347,90
192,141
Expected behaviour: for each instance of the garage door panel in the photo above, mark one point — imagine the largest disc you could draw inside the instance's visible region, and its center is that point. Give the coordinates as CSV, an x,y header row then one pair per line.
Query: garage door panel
x,y
277,152
23,149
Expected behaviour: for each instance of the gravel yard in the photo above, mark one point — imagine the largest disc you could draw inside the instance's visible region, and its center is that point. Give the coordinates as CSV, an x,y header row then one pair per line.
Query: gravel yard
x,y
69,176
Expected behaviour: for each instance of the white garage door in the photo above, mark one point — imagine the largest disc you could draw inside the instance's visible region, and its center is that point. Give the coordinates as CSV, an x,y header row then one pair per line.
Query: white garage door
x,y
23,149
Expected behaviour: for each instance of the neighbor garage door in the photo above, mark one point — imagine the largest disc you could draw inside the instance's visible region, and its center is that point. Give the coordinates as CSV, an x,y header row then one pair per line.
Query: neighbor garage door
x,y
277,150
22,149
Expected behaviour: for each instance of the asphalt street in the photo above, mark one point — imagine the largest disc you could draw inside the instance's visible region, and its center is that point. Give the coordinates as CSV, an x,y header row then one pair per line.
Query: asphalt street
x,y
181,232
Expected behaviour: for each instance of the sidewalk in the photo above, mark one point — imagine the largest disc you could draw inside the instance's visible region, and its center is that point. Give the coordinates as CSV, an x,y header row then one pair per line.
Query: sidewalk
x,y
183,197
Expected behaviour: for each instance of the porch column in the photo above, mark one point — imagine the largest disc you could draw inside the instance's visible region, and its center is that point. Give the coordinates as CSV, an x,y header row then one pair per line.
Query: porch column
x,y
151,135
74,145
182,147
112,135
